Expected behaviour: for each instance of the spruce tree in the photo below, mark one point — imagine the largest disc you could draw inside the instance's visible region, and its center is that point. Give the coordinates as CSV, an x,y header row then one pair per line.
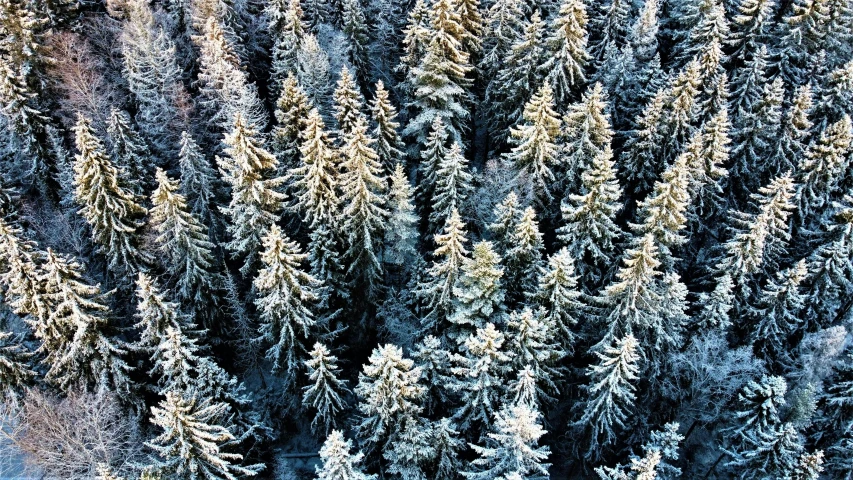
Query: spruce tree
x,y
820,171
663,211
363,188
291,113
479,293
338,462
155,314
511,449
348,104
796,126
198,180
752,138
129,152
285,298
751,27
15,359
586,134
287,30
535,148
524,259
111,211
641,160
532,343
434,362
401,235
566,46
503,27
324,392
776,314
437,291
610,24
183,240
432,155
800,37
194,441
315,180
255,203
453,185
507,214
559,294
354,27
389,146
610,393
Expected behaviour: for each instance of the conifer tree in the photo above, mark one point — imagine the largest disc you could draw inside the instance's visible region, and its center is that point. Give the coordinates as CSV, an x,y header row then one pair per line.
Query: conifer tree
x,y
416,38
348,103
524,258
453,185
682,99
586,133
821,168
313,71
434,362
800,37
716,305
291,114
773,453
15,370
532,343
503,27
611,393
479,293
389,146
109,209
558,293
155,313
751,27
748,83
285,297
511,449
401,235
315,180
759,403
518,79
535,148
809,466
198,180
288,31
363,188
324,392
255,203
78,311
194,441
439,84
507,214
795,131
663,211
707,154
777,312
752,137
566,46
447,447
830,268
129,152
590,231
437,291
389,392
354,27
641,161
20,279
432,155
338,462
471,21
708,24
184,241
610,24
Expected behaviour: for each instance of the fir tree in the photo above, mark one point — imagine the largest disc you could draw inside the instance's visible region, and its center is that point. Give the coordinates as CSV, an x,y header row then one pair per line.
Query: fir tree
x,y
313,71
532,342
480,376
641,161
663,211
535,150
198,180
255,203
511,449
751,27
507,214
434,362
183,240
437,291
800,36
285,297
129,152
590,231
390,393
363,190
752,137
809,466
503,27
338,462
354,27
315,180
291,114
447,447
110,210
389,146
777,312
15,370
416,38
401,235
773,453
471,22
524,258
453,185
348,104
432,156
707,154
566,46
324,392
287,30
479,293
822,167
193,441
587,134
611,393
796,126
155,314
610,24
559,294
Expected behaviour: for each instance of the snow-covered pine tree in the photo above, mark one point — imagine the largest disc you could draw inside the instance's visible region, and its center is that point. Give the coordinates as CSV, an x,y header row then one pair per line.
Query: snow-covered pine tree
x,y
153,76
313,71
586,134
255,203
198,180
777,311
758,405
338,462
291,113
194,441
511,449
532,341
348,104
110,210
800,37
707,154
315,180
15,360
479,294
447,448
84,353
559,295
438,84
285,298
453,186
507,214
773,453
714,306
287,31
503,27
708,24
663,212
821,169
363,188
590,231
830,267
389,146
796,127
155,314
354,26
416,38
436,293
809,466
130,154
752,138
524,259
323,394
480,375
641,161
434,362
401,234
22,288
748,82
535,149
431,156
390,394
472,23
184,241
751,27
610,393
517,80
566,51
609,24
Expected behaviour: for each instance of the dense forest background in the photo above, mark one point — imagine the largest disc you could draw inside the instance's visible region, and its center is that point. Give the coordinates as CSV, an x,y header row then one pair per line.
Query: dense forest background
x,y
429,239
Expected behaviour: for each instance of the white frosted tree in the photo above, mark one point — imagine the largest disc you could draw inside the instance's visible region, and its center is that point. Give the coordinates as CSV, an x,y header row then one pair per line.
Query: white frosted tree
x,y
355,29
532,341
559,294
194,443
111,211
566,47
479,294
453,186
664,211
401,234
610,25
348,104
821,170
480,375
155,313
535,150
286,295
390,394
313,71
586,135
324,391
199,183
389,146
436,292
524,258
130,154
431,156
776,314
15,360
506,214
610,393
255,203
315,180
512,450
338,462
291,113
184,242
